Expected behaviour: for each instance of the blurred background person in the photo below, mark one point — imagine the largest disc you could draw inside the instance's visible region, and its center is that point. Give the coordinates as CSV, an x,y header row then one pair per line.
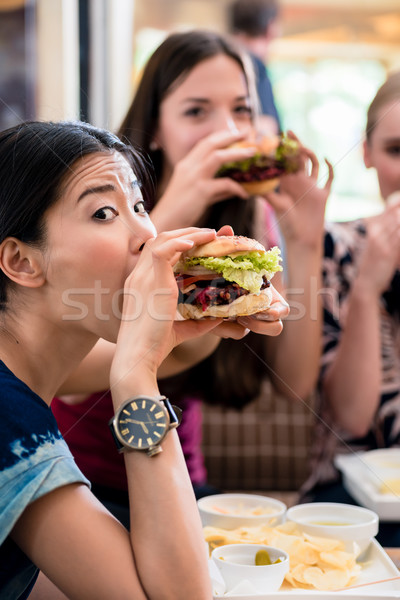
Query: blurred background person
x,y
359,387
255,24
194,99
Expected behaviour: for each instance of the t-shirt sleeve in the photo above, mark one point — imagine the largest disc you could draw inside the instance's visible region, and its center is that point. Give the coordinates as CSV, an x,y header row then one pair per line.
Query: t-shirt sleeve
x,y
32,476
34,458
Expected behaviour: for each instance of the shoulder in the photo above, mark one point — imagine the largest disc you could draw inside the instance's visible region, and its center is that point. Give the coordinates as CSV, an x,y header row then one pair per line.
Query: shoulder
x,y
343,238
25,419
342,248
34,458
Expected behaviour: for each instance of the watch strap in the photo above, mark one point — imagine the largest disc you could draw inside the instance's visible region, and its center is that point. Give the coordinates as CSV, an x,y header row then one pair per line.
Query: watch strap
x,y
174,412
120,447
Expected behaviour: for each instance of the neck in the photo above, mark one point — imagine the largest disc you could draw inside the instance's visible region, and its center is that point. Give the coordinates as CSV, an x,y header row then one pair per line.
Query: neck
x,y
41,355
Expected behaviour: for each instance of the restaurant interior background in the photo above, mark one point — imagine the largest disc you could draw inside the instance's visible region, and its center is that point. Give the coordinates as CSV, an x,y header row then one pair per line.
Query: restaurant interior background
x,y
82,58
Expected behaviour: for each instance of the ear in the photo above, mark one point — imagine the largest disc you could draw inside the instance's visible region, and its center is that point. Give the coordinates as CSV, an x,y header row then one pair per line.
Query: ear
x,y
21,263
367,155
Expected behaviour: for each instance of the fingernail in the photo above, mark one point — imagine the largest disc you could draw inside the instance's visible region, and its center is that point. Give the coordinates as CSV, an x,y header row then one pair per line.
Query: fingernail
x,y
265,316
244,321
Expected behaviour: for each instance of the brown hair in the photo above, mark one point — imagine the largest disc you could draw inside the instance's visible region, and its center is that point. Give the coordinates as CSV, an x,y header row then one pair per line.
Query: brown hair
x,y
232,375
388,92
167,67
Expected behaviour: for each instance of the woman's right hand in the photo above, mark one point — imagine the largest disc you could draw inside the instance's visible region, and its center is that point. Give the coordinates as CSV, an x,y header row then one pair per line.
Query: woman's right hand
x,y
193,186
148,331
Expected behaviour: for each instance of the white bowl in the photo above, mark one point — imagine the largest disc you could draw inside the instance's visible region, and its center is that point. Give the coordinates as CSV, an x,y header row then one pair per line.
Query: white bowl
x,y
343,522
236,563
383,469
229,511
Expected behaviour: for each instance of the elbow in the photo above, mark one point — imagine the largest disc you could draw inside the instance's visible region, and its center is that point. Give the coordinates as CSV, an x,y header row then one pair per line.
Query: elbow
x,y
295,388
293,392
353,425
357,429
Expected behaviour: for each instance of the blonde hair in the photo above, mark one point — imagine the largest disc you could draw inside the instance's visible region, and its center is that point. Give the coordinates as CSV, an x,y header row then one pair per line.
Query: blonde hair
x,y
387,93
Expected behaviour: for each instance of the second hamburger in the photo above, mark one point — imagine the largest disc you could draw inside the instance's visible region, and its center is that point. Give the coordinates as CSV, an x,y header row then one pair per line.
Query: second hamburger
x,y
259,174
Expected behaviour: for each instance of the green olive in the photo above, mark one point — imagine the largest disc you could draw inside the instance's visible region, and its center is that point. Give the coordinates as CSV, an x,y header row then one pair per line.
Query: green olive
x,y
262,558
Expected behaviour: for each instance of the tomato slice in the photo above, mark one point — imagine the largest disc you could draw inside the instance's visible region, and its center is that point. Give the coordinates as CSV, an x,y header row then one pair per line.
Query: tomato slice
x,y
186,280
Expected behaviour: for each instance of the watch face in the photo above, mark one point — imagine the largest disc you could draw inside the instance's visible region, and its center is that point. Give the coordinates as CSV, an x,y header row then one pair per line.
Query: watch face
x,y
142,423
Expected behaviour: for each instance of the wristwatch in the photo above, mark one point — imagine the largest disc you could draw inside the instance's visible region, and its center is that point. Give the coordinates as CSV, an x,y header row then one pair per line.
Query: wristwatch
x,y
141,423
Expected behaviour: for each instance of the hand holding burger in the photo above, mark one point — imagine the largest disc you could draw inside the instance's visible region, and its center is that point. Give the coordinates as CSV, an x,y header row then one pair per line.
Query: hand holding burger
x,y
259,174
227,277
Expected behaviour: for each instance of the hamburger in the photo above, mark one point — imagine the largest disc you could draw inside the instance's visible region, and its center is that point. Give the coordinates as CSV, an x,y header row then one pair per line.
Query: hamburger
x,y
259,174
228,277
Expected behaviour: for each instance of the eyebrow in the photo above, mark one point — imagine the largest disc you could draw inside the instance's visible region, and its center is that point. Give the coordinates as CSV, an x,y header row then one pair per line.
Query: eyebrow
x,y
100,189
108,187
206,100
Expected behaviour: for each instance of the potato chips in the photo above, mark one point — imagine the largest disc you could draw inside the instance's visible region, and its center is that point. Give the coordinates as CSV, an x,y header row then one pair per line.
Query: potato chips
x,y
315,562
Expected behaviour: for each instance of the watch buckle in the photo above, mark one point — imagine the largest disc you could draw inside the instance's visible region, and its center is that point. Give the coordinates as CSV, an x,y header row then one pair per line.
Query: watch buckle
x,y
154,450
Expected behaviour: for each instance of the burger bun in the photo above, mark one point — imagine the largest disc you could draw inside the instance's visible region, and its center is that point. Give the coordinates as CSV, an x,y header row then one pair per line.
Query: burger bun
x,y
259,188
242,306
224,245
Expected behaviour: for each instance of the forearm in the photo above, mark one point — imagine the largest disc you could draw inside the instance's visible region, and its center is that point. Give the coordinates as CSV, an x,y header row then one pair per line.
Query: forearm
x,y
164,514
93,374
166,532
352,382
294,355
187,355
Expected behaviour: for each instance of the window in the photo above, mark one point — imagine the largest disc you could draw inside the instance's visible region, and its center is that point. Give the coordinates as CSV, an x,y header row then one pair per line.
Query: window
x,y
325,103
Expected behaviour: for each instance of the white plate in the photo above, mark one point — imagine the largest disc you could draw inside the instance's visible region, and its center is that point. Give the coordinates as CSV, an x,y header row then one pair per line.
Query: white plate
x,y
358,483
376,566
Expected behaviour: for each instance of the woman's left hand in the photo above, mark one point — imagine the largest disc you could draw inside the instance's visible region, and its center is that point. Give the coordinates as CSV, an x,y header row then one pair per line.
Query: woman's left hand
x,y
300,203
268,322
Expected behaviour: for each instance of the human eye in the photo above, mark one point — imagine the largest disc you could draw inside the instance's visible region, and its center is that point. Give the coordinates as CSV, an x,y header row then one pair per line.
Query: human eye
x,y
194,111
243,110
105,213
393,149
139,207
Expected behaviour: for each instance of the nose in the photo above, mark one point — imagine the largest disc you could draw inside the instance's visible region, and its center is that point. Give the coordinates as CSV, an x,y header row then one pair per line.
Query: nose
x,y
226,121
141,229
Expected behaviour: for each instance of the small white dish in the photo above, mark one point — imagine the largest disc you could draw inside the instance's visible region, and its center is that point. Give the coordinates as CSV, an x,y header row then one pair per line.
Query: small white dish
x,y
236,564
383,469
229,511
346,522
360,486
376,567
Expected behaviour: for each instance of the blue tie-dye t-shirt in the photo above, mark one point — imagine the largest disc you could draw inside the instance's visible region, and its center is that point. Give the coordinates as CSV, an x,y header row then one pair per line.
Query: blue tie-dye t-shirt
x,y
34,460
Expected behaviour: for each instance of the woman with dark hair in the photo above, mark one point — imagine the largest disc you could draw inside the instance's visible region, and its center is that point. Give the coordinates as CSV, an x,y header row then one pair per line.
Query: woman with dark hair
x,y
78,254
195,99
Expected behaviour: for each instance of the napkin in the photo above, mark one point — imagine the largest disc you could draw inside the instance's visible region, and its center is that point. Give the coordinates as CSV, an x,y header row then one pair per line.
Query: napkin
x,y
244,587
218,584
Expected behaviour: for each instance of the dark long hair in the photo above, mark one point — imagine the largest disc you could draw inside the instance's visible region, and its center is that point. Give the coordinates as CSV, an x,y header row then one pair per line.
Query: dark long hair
x,y
167,68
35,157
232,375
